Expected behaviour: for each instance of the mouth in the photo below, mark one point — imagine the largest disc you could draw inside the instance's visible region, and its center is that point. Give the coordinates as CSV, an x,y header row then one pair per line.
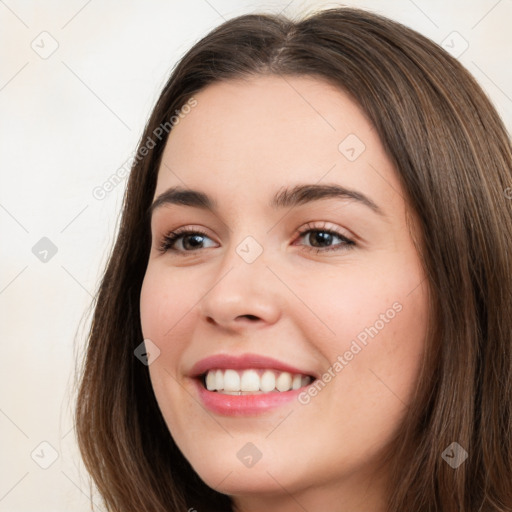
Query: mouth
x,y
253,381
247,385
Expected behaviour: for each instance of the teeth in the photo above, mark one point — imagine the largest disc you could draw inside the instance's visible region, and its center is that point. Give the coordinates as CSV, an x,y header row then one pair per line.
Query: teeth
x,y
268,381
284,382
250,381
219,379
233,382
297,381
211,380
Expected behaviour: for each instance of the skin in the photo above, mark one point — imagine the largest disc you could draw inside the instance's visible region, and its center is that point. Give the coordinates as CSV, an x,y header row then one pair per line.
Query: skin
x,y
244,141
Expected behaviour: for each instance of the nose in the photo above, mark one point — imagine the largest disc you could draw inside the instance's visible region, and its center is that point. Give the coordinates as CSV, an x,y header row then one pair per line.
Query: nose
x,y
243,294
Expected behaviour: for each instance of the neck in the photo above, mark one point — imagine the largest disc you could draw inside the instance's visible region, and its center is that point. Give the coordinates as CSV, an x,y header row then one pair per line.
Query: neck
x,y
353,494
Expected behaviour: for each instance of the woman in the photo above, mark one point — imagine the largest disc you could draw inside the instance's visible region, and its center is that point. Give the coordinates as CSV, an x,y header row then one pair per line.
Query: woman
x,y
308,305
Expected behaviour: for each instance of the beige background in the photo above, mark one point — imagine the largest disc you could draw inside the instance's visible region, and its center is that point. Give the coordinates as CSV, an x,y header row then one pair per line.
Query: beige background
x,y
68,121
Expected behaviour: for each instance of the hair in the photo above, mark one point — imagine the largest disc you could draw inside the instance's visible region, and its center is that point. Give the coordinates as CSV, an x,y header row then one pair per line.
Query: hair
x,y
453,158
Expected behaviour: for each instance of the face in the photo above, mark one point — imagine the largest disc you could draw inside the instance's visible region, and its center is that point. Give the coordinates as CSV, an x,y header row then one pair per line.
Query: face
x,y
317,295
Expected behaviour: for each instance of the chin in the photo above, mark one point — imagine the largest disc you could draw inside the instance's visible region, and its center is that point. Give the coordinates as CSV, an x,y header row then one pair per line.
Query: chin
x,y
228,475
244,482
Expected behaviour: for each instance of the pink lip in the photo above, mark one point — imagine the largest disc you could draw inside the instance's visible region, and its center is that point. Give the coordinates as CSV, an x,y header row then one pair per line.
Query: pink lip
x,y
242,405
243,362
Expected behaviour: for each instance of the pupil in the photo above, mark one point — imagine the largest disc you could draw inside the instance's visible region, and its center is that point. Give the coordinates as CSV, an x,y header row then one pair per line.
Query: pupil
x,y
321,236
197,242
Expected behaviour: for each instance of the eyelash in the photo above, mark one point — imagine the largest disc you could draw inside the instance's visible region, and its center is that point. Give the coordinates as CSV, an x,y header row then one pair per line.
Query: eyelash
x,y
168,241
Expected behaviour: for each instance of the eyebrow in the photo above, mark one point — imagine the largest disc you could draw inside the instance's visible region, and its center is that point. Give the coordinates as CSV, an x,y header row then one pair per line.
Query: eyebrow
x,y
284,198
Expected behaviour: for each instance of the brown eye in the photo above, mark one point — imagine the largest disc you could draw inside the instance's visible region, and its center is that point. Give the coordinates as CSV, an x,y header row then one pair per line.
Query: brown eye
x,y
323,240
190,241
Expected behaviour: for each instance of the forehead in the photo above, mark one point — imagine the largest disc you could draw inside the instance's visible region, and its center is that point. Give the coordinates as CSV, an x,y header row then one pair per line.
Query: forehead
x,y
255,135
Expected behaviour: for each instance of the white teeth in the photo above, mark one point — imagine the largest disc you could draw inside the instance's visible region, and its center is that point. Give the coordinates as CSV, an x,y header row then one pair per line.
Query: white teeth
x,y
211,381
219,379
284,382
268,381
233,382
250,381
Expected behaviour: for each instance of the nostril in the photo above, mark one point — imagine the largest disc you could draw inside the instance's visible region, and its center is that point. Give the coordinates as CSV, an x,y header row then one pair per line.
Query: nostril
x,y
250,317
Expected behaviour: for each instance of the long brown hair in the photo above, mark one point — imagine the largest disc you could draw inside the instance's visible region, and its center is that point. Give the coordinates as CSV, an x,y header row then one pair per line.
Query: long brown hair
x,y
454,159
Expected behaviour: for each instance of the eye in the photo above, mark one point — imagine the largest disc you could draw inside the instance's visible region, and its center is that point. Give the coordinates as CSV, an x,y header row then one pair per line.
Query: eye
x,y
188,238
193,239
318,236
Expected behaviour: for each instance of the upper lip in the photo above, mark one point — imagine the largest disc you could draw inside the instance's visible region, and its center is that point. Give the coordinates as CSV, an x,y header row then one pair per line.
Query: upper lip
x,y
243,362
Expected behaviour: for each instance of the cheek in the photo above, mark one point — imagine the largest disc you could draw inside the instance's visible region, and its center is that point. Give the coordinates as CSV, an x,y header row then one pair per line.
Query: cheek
x,y
364,301
166,319
376,318
379,319
166,314
164,303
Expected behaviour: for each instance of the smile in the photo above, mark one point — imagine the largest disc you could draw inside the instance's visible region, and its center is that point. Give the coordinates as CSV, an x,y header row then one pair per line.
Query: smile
x,y
247,385
253,381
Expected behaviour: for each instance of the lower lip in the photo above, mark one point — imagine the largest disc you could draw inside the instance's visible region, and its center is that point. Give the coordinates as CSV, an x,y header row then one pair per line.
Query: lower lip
x,y
243,405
